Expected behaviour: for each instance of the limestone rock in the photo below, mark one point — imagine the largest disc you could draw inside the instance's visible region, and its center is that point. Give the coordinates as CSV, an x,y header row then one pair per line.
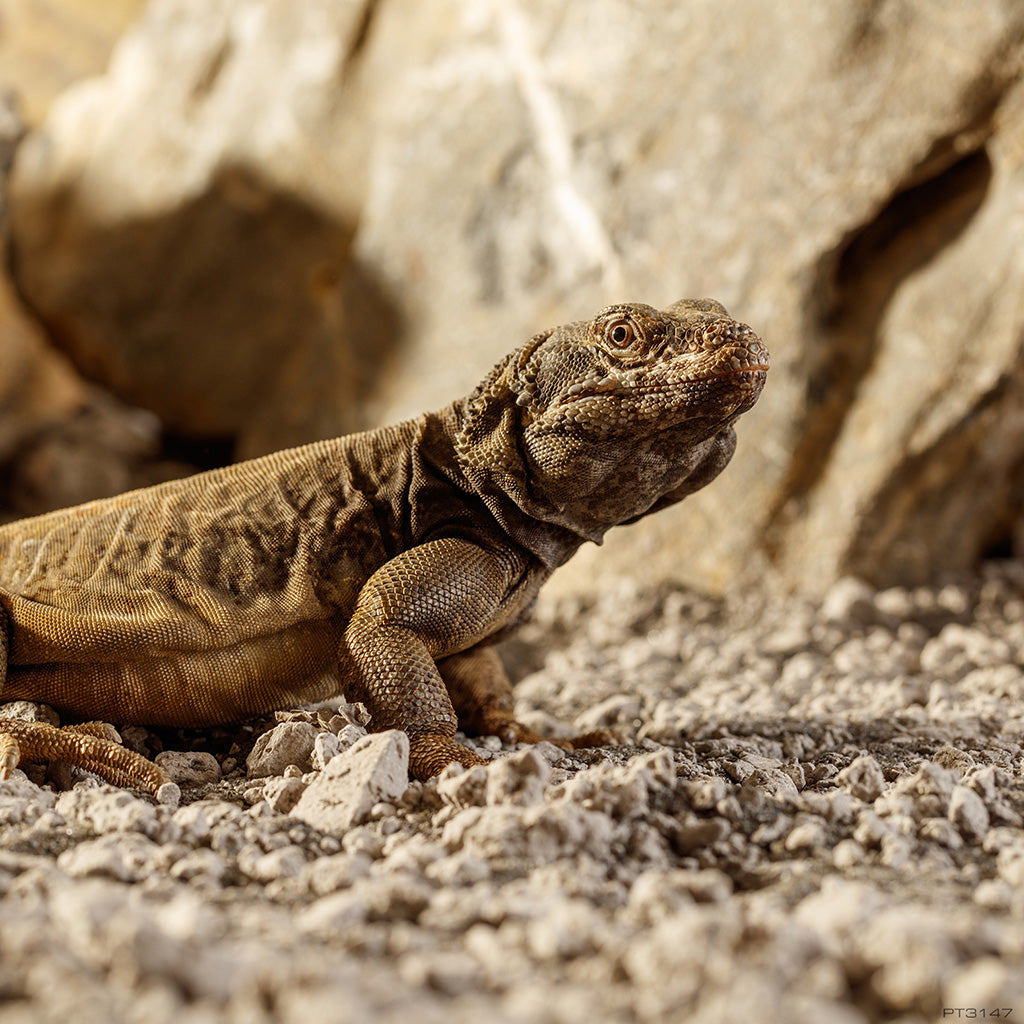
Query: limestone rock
x,y
183,235
834,178
289,743
61,443
10,132
863,778
36,387
861,212
189,767
373,771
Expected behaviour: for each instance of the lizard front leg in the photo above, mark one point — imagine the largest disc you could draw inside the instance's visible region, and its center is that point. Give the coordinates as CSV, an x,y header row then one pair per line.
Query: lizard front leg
x,y
426,603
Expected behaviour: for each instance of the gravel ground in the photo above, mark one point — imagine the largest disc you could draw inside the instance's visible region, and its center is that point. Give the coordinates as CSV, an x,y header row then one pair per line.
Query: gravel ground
x,y
815,816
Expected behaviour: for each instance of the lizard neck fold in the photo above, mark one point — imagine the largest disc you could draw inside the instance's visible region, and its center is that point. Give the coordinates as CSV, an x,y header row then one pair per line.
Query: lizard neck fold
x,y
501,486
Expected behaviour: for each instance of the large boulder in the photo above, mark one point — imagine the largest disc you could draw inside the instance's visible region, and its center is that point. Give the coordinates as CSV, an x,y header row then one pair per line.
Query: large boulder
x,y
828,171
36,385
61,442
182,224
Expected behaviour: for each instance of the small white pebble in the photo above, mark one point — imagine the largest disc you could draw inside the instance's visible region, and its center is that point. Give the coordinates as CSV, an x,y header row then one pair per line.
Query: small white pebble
x,y
169,794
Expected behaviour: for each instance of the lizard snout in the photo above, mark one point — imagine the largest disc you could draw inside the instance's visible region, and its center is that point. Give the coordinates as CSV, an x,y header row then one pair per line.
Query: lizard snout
x,y
725,344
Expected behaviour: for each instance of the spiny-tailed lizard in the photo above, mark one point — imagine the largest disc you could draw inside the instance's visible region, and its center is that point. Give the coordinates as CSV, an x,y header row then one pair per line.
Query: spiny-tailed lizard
x,y
390,560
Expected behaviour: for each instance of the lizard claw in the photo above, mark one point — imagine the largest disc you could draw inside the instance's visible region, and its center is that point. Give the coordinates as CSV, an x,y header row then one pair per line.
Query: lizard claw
x,y
10,754
594,738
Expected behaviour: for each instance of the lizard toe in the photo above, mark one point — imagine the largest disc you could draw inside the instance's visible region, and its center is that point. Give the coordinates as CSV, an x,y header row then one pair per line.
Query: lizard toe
x,y
508,730
10,754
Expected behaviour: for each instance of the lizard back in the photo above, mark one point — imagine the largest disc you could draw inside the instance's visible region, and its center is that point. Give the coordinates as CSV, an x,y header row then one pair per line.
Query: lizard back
x,y
194,564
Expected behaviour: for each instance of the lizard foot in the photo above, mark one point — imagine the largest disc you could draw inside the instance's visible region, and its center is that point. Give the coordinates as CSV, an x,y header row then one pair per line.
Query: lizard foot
x,y
431,754
86,746
508,730
583,740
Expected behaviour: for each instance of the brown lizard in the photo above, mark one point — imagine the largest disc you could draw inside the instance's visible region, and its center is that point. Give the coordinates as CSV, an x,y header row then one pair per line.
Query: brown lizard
x,y
388,560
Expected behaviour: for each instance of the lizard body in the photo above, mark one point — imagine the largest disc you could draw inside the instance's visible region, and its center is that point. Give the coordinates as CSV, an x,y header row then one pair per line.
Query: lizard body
x,y
384,563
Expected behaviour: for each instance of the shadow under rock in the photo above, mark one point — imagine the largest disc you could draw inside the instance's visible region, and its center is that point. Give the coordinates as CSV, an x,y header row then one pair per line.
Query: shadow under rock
x,y
240,317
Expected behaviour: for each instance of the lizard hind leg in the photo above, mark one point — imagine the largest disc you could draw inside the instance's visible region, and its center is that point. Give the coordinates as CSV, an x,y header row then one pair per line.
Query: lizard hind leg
x,y
81,745
482,697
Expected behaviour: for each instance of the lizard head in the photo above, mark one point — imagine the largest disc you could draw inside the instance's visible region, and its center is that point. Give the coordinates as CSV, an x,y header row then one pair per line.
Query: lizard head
x,y
599,422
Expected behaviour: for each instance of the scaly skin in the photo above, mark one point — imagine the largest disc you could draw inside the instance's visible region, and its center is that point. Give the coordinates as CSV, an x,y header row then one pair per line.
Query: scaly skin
x,y
382,564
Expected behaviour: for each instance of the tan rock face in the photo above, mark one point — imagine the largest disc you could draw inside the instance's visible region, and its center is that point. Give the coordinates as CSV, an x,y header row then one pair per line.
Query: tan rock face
x,y
240,224
45,45
183,222
36,385
11,130
61,442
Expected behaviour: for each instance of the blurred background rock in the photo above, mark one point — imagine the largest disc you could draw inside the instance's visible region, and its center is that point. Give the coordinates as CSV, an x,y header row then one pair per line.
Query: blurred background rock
x,y
253,223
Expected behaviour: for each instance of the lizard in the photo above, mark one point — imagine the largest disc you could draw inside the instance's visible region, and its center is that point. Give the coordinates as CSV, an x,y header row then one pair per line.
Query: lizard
x,y
383,565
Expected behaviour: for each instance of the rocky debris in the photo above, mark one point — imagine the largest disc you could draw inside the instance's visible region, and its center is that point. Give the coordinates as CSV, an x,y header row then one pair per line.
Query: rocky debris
x,y
300,190
26,711
190,768
306,740
290,743
829,829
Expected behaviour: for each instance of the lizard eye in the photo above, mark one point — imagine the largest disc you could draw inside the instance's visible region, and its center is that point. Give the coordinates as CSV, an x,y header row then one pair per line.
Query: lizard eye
x,y
621,334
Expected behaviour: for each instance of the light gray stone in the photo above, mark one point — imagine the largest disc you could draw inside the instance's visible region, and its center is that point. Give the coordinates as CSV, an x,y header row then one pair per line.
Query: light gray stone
x,y
288,743
201,863
464,787
519,779
27,711
373,770
189,768
105,809
325,746
127,857
968,812
1010,862
986,981
863,778
283,793
849,599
